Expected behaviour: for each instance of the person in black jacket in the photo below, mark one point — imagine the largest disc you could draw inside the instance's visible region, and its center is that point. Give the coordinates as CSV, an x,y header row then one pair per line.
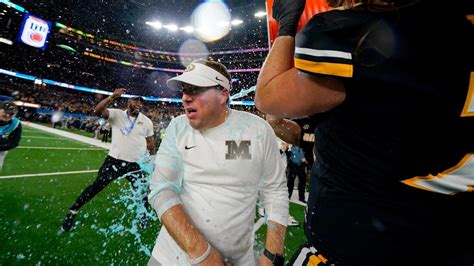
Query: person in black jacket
x,y
10,129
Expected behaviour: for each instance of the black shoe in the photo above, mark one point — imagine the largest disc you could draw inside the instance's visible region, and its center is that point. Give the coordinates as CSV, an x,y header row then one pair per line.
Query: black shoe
x,y
68,222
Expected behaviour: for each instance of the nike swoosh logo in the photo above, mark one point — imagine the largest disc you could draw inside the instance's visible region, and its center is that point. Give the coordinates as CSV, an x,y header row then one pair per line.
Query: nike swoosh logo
x,y
187,148
218,79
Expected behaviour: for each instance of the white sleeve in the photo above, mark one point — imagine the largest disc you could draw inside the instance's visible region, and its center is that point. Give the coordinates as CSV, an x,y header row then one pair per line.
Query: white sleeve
x,y
274,191
167,178
112,114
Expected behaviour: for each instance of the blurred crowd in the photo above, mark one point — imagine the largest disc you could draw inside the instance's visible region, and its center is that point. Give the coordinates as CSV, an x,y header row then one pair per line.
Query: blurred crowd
x,y
66,109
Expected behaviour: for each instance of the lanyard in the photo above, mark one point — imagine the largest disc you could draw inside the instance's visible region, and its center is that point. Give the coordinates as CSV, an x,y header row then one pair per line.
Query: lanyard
x,y
133,123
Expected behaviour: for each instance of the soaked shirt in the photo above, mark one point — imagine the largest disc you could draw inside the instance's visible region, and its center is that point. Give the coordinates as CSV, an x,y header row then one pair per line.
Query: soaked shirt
x,y
217,175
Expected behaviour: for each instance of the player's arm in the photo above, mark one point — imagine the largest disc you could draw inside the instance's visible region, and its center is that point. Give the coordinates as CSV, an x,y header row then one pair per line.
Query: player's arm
x,y
274,195
150,145
101,108
181,229
165,186
287,130
274,242
285,91
282,89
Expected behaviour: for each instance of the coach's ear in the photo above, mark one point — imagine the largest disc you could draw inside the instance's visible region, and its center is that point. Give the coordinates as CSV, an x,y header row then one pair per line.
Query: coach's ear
x,y
225,99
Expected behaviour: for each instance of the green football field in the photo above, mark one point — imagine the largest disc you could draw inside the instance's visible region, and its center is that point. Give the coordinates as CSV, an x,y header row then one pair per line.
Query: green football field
x,y
47,172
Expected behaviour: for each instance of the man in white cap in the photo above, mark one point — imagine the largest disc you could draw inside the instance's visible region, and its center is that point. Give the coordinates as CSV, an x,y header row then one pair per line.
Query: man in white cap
x,y
211,165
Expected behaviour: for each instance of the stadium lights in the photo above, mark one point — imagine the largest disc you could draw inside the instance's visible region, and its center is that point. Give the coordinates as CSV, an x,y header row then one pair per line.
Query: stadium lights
x,y
187,29
223,24
155,24
260,14
6,41
68,48
15,6
171,27
236,22
20,103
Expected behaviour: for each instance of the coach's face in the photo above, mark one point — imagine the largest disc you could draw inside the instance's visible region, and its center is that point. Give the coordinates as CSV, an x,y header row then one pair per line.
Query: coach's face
x,y
205,106
134,107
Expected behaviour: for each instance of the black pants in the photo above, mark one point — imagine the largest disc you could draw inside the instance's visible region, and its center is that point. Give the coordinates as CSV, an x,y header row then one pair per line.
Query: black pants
x,y
348,230
293,172
105,136
108,172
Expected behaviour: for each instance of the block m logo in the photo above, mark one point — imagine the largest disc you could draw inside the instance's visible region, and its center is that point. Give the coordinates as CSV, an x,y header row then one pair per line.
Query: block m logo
x,y
235,151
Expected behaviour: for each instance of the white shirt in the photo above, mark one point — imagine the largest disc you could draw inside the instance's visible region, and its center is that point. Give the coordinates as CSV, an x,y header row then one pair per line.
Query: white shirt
x,y
129,147
216,174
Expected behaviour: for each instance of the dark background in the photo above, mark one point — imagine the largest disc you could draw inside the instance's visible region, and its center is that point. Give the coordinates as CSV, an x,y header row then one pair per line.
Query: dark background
x,y
124,21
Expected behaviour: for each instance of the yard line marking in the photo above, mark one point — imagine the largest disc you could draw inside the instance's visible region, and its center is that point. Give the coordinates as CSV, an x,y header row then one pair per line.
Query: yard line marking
x,y
59,148
294,199
50,174
69,135
38,133
39,137
35,131
298,202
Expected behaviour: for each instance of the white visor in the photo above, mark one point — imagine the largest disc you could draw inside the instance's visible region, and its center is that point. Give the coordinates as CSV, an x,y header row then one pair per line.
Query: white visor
x,y
199,75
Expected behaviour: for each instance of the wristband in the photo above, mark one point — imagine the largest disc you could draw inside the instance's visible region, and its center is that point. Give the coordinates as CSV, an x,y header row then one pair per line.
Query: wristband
x,y
111,98
204,256
276,259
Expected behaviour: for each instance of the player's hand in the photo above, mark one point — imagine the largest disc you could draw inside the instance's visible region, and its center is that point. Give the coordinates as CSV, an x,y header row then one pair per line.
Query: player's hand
x,y
287,13
118,92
